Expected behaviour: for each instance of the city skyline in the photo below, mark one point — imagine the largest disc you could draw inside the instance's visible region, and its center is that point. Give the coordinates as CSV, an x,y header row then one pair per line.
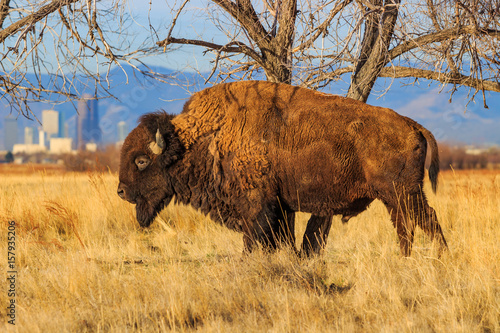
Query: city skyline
x,y
87,124
52,134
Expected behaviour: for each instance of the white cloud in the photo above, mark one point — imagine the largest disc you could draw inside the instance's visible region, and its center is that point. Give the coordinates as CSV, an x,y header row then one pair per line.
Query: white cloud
x,y
423,106
451,121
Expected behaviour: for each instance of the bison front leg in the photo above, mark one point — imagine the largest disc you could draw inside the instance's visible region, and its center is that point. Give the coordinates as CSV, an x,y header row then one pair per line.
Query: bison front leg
x,y
316,234
284,230
261,229
276,228
268,223
249,242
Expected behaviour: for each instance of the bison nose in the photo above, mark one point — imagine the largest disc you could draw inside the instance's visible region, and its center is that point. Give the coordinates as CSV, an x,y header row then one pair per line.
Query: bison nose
x,y
121,191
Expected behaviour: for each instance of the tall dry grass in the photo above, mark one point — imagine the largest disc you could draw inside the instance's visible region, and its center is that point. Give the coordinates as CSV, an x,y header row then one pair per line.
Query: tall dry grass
x,y
84,265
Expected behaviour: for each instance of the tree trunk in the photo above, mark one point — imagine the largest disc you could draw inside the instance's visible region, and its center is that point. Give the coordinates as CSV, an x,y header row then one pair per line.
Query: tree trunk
x,y
277,53
277,69
379,28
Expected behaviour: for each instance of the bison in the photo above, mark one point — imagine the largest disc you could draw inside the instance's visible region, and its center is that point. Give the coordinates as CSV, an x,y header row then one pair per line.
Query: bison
x,y
251,154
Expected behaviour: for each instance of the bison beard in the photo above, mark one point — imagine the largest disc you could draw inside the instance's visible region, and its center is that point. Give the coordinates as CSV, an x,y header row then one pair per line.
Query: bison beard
x,y
251,154
146,213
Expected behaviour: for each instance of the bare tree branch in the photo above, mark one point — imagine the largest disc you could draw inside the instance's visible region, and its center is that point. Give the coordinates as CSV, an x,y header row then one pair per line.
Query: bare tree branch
x,y
379,30
4,11
245,14
455,32
317,32
174,21
85,39
327,77
462,80
33,18
229,48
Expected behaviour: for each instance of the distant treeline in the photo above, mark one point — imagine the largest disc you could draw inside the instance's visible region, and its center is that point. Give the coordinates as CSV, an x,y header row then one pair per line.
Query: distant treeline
x,y
107,159
465,157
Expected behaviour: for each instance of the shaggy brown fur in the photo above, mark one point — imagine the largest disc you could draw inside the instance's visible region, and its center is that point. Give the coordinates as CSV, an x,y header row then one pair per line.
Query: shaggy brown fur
x,y
252,153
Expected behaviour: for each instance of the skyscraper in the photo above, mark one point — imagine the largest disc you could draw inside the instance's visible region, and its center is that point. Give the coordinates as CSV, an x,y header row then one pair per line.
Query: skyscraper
x,y
87,125
29,134
10,125
62,127
50,123
41,137
122,131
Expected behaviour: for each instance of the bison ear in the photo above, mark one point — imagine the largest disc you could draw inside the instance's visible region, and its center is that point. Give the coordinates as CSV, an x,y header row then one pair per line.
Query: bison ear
x,y
157,146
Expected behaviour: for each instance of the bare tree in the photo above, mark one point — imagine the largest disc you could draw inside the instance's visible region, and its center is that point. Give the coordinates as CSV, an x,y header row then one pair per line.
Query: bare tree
x,y
312,43
52,50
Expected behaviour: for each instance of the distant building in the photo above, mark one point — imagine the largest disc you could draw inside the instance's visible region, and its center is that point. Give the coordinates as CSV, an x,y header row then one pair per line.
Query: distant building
x,y
29,134
91,146
63,131
87,124
50,123
27,148
473,150
10,126
122,131
41,138
60,145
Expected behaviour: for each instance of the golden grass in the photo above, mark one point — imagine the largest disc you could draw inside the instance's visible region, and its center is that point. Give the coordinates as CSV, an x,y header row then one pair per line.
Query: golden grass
x,y
85,265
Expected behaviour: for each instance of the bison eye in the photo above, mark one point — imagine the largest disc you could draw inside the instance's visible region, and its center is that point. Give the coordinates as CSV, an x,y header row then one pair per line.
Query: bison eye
x,y
142,162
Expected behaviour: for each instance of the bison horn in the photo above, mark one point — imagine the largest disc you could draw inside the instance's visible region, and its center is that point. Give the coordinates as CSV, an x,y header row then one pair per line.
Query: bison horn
x,y
158,145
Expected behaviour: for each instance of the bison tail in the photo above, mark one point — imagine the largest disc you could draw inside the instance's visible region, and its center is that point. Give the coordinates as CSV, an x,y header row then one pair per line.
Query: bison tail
x,y
434,167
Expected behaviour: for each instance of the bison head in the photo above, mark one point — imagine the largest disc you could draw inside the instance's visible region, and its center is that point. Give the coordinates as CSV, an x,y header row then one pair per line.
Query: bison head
x,y
149,151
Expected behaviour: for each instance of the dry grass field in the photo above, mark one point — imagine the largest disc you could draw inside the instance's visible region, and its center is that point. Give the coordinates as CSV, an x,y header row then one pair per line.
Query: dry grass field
x,y
84,265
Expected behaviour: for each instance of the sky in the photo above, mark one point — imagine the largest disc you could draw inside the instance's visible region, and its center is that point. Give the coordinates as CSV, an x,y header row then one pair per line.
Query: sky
x,y
190,25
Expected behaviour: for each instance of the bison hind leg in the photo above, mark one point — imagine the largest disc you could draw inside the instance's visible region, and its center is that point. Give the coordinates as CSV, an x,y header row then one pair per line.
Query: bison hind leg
x,y
416,211
425,217
428,221
405,228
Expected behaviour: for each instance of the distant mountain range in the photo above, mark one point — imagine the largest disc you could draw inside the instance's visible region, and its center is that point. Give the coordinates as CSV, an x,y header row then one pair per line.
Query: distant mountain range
x,y
423,103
